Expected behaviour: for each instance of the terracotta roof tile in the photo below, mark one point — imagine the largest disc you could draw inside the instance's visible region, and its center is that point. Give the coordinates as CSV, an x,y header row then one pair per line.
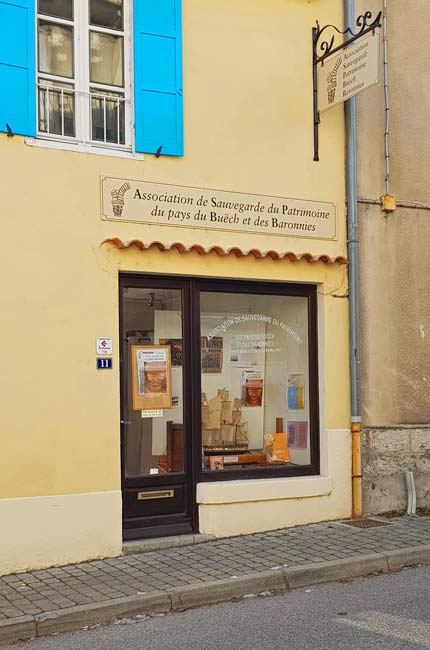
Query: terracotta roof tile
x,y
237,252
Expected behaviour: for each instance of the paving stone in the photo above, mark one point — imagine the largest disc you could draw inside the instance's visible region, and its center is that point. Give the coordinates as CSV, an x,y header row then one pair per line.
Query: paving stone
x,y
12,612
103,580
66,603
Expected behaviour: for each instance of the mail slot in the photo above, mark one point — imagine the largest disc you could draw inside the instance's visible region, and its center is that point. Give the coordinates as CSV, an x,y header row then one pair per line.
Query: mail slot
x,y
159,494
153,501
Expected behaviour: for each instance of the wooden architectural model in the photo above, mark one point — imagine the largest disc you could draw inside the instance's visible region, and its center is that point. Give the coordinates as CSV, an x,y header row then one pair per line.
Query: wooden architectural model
x,y
222,426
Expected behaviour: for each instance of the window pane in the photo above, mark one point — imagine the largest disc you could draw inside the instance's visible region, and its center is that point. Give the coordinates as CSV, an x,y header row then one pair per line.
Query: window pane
x,y
107,13
55,49
106,59
255,381
152,318
107,117
57,8
56,108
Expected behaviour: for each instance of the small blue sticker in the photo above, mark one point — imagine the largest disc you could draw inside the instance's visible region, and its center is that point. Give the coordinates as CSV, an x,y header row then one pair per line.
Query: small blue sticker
x,y
104,364
293,398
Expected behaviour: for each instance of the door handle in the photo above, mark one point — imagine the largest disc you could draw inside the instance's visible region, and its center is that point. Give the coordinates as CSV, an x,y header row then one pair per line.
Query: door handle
x,y
126,422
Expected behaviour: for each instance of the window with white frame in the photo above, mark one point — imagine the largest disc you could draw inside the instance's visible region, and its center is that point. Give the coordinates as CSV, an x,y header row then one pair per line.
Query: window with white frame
x,y
83,59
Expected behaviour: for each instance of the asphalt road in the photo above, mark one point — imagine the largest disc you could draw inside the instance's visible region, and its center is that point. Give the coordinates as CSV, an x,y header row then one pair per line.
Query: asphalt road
x,y
384,613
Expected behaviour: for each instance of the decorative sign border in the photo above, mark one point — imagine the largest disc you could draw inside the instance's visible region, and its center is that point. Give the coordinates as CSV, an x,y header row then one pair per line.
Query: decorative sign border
x,y
177,206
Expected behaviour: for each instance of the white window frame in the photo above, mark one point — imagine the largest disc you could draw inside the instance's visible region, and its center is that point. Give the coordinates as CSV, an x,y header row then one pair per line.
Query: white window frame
x,y
81,80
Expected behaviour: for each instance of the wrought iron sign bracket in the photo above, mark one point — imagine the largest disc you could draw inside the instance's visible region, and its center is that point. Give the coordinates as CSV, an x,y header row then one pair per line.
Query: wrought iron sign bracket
x,y
323,46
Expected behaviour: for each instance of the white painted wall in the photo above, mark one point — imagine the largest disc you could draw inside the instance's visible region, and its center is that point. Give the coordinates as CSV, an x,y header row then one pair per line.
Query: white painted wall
x,y
37,532
228,508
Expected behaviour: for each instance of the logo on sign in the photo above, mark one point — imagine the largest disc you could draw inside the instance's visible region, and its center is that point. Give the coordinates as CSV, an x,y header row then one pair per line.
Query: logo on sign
x,y
103,346
118,199
332,81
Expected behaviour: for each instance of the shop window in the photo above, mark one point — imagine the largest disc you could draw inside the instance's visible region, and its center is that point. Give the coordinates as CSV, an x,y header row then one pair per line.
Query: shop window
x,y
219,379
70,68
255,381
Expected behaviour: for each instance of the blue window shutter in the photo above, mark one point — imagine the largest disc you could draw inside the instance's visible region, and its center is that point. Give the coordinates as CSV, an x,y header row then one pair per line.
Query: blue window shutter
x,y
17,66
158,77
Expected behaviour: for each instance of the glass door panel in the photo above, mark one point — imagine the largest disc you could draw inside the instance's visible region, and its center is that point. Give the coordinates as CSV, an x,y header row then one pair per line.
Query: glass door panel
x,y
153,414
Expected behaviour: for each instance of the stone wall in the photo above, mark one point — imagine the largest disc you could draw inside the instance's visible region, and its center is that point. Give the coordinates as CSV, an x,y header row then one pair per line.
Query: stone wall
x,y
386,453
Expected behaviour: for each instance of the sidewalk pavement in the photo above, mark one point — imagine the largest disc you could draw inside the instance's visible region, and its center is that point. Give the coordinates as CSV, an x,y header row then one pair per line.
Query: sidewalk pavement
x,y
75,596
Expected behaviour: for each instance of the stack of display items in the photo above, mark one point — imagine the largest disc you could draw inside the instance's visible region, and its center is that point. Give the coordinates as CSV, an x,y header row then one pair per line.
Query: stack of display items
x,y
222,426
224,432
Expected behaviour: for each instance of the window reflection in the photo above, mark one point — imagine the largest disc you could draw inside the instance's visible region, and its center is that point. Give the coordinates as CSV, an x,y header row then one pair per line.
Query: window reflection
x,y
55,49
255,406
56,108
107,13
106,59
107,117
153,415
57,8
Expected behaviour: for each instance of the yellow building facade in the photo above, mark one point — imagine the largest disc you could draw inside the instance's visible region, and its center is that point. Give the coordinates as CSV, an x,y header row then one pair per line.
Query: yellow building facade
x,y
64,489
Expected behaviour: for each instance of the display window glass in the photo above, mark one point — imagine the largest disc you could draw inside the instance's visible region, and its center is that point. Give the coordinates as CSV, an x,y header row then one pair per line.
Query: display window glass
x,y
255,381
219,380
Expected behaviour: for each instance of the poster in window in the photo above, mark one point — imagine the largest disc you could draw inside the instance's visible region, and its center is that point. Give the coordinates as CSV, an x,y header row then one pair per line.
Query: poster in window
x,y
242,359
296,392
175,350
251,388
216,462
151,377
211,353
276,447
297,434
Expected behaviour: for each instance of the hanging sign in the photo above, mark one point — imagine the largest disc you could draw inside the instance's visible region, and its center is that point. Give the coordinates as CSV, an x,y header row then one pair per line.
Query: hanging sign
x,y
341,71
348,72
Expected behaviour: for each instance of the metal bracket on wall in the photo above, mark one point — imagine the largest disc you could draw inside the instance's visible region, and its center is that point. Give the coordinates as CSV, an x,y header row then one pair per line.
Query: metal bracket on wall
x,y
323,46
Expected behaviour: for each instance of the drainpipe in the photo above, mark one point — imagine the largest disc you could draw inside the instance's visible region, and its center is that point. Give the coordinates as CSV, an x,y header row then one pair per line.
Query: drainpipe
x,y
354,316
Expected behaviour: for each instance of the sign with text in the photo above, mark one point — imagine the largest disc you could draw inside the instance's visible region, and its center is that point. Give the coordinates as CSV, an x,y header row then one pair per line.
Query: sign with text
x,y
103,345
194,207
153,413
348,72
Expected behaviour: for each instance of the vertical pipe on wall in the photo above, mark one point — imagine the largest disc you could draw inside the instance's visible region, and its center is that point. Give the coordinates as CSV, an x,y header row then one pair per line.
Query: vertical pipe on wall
x,y
387,102
354,316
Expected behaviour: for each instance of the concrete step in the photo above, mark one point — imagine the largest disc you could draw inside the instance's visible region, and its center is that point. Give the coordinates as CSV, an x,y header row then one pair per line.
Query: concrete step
x,y
160,543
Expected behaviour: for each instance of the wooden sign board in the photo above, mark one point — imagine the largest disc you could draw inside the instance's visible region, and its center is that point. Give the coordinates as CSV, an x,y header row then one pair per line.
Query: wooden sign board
x,y
348,72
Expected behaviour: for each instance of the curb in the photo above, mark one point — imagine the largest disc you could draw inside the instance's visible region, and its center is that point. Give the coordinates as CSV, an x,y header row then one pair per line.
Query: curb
x,y
278,580
20,629
221,591
314,574
74,618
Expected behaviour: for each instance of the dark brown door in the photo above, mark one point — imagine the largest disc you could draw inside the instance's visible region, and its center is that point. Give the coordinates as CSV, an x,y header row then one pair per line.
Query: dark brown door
x,y
157,473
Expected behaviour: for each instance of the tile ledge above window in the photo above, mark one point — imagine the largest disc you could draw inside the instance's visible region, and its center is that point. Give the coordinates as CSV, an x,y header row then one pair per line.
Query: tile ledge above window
x,y
268,489
83,148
